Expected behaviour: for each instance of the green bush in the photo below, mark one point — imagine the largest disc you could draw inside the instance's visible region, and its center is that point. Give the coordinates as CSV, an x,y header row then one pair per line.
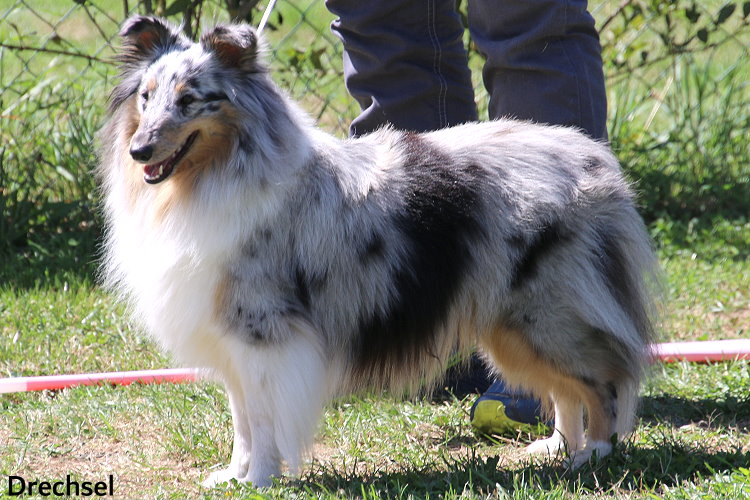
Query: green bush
x,y
47,193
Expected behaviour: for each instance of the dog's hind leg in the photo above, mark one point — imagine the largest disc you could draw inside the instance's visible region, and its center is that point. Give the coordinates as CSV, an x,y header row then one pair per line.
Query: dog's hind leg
x,y
546,372
568,434
601,405
570,396
521,365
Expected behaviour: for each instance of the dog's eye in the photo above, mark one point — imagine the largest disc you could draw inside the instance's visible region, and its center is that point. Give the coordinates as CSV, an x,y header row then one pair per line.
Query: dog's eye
x,y
144,95
186,100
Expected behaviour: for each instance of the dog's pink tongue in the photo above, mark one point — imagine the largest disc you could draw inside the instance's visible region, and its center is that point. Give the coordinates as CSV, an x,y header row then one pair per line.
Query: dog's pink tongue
x,y
152,170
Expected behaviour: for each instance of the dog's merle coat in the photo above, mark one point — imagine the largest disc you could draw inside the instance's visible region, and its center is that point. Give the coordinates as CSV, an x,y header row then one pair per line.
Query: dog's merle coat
x,y
297,266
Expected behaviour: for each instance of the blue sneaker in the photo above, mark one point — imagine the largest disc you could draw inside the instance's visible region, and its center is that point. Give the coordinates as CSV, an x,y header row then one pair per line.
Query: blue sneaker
x,y
502,411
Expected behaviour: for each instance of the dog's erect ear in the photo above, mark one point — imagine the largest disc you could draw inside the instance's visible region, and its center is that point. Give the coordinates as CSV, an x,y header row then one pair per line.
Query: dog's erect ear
x,y
145,38
236,46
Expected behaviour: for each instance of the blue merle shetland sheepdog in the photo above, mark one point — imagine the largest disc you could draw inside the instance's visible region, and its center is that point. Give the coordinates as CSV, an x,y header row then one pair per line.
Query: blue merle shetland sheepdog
x,y
298,267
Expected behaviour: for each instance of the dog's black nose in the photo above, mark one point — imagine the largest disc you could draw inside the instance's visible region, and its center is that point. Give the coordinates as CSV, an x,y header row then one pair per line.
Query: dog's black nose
x,y
142,153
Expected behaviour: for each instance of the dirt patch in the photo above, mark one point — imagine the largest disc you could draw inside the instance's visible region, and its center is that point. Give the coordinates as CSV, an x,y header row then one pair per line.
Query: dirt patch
x,y
138,461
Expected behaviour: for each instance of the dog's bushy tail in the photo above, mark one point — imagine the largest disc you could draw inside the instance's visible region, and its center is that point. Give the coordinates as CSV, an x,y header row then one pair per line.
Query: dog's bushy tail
x,y
627,406
635,284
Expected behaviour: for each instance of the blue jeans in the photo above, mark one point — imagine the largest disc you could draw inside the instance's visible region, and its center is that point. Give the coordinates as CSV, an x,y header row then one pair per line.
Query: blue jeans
x,y
405,62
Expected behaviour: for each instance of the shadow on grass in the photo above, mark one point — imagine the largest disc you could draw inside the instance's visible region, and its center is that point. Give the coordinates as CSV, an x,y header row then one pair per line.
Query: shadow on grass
x,y
729,411
48,244
629,468
656,462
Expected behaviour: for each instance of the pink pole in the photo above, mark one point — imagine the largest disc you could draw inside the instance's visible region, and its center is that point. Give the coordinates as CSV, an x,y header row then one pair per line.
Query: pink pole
x,y
702,352
697,352
171,375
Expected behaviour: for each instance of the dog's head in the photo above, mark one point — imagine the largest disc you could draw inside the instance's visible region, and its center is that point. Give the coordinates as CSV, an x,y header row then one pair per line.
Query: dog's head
x,y
180,94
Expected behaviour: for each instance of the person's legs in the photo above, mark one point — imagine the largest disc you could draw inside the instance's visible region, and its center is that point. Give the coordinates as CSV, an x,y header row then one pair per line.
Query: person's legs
x,y
543,62
405,63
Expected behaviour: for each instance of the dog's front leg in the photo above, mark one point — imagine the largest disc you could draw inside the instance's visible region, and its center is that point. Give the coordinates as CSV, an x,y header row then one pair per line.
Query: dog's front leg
x,y
277,396
240,462
568,435
287,387
254,460
264,459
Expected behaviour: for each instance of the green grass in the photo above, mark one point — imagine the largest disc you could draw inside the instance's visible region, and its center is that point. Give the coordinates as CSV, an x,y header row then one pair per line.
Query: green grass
x,y
693,438
683,144
159,440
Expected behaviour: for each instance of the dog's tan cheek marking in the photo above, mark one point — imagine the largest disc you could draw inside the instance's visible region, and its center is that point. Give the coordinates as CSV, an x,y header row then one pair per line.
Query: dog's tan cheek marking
x,y
211,148
151,85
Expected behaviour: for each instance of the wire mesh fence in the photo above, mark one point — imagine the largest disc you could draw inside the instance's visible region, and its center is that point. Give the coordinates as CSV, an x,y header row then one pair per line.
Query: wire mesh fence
x,y
56,68
48,47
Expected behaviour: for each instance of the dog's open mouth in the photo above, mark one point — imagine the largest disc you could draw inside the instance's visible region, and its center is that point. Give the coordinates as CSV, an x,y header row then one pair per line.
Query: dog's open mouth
x,y
154,174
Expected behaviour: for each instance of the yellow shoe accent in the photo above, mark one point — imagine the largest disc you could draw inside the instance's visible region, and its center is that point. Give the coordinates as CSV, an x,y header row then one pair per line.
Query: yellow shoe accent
x,y
490,418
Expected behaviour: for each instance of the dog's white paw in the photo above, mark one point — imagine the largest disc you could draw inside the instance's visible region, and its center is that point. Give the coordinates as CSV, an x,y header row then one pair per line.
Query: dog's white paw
x,y
225,475
594,450
551,446
218,477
